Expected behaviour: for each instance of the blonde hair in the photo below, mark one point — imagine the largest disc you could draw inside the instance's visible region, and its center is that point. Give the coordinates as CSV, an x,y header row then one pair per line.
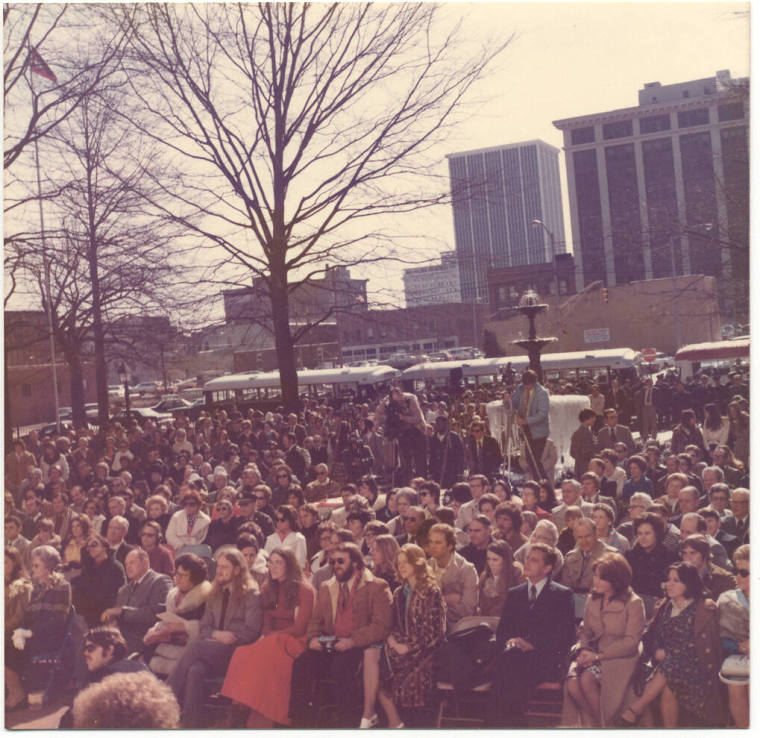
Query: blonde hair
x,y
415,556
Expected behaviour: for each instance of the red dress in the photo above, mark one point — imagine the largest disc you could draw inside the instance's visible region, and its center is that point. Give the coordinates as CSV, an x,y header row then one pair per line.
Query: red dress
x,y
259,674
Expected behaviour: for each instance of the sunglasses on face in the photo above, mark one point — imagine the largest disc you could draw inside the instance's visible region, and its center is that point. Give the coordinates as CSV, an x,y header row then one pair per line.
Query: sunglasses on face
x,y
94,544
742,572
337,560
280,519
190,503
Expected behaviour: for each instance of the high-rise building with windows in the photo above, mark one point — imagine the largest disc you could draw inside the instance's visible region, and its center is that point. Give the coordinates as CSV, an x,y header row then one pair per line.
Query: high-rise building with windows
x,y
433,284
663,186
497,194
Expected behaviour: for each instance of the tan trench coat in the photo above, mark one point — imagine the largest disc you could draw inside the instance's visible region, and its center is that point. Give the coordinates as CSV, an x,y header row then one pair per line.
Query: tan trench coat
x,y
618,629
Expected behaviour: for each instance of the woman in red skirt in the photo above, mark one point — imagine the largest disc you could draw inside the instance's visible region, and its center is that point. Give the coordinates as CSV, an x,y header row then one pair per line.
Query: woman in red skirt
x,y
259,673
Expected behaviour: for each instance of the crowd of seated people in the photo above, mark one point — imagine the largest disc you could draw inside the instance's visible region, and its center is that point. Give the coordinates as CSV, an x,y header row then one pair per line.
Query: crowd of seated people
x,y
205,555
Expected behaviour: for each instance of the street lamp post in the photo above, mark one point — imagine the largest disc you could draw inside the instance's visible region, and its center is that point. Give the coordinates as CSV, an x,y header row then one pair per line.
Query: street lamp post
x,y
537,222
124,378
676,315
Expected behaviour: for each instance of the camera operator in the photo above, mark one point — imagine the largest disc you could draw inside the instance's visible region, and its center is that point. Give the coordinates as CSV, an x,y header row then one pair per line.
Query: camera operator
x,y
401,417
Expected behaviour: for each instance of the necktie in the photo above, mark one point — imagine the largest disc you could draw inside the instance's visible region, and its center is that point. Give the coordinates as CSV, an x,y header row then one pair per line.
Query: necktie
x,y
344,595
225,603
533,595
613,436
648,400
584,565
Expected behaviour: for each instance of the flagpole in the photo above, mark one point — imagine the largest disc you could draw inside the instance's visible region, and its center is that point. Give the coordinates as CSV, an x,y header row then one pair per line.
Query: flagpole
x,y
46,267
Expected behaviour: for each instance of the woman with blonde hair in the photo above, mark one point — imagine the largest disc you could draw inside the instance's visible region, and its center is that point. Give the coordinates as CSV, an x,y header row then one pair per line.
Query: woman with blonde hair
x,y
419,627
384,550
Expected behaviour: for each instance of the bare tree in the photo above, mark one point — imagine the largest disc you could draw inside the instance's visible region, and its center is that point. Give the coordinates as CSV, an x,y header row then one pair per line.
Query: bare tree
x,y
293,125
108,254
34,111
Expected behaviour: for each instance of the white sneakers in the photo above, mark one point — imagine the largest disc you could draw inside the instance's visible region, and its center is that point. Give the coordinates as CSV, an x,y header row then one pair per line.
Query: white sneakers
x,y
370,722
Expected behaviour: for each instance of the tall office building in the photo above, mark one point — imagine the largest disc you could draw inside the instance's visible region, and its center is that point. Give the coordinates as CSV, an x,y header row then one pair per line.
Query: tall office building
x,y
433,284
497,194
663,185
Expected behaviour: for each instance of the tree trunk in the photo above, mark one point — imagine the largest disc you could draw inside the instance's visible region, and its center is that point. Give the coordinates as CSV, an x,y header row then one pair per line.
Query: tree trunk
x,y
283,341
76,380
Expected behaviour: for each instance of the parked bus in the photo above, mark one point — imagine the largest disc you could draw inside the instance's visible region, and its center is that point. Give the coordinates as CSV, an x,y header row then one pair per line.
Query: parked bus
x,y
624,361
690,358
262,390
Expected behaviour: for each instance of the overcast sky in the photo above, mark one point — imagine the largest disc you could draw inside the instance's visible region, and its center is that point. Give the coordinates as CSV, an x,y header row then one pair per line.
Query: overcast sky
x,y
569,59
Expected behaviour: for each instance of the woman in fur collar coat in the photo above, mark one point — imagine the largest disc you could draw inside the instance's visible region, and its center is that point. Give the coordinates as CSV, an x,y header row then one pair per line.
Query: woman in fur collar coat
x,y
185,605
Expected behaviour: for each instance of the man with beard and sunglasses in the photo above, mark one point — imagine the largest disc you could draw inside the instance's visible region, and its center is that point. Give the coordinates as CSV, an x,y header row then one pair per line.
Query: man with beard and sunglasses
x,y
352,612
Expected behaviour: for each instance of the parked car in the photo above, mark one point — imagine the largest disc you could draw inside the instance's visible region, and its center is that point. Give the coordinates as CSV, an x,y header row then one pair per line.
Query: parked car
x,y
170,404
142,414
145,388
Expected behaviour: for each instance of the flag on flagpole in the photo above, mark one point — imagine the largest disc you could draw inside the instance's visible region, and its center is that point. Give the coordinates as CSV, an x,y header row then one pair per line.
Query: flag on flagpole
x,y
39,66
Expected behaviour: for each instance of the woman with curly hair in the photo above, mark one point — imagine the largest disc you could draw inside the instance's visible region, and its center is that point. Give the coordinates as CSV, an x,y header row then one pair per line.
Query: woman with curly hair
x,y
45,617
259,674
738,434
419,627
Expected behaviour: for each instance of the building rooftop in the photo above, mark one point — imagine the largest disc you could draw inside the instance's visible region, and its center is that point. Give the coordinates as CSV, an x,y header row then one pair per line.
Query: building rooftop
x,y
535,141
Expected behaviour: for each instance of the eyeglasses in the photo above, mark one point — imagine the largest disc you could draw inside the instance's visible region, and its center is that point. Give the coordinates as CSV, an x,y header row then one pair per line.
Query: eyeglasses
x,y
89,647
280,519
223,507
191,503
337,560
94,544
261,497
742,572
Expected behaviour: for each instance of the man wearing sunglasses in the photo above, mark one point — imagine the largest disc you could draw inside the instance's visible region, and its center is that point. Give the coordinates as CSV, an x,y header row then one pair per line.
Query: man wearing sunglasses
x,y
353,611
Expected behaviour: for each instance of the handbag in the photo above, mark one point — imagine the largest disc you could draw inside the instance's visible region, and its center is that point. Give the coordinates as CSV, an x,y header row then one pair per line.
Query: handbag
x,y
465,656
736,665
641,674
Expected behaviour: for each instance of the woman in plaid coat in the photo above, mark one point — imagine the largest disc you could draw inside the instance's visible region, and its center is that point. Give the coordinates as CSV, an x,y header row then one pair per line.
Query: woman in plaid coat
x,y
419,626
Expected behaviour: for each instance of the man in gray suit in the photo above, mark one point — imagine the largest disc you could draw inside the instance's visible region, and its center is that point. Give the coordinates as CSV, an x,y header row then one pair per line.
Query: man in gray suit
x,y
613,433
139,601
232,618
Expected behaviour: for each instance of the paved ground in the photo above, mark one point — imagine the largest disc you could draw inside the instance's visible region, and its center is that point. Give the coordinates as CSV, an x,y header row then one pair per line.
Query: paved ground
x,y
37,718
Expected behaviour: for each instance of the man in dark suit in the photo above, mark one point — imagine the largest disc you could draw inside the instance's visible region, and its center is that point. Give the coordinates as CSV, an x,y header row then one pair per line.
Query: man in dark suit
x,y
139,602
536,631
413,518
232,618
738,525
582,442
446,454
613,433
483,451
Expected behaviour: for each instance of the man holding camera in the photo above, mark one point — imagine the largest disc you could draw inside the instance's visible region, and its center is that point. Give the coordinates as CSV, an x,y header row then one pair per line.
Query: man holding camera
x,y
353,610
401,416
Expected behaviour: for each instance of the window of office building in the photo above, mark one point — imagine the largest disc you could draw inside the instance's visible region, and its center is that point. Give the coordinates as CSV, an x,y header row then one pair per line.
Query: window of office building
x,y
625,219
662,206
700,200
654,123
618,129
698,117
582,135
731,111
589,215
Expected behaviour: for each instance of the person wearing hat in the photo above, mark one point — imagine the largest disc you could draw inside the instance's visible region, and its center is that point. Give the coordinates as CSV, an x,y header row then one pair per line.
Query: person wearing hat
x,y
254,507
223,529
